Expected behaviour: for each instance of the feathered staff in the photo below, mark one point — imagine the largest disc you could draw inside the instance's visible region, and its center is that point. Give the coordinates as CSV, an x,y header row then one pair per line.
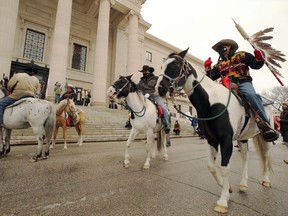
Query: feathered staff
x,y
271,55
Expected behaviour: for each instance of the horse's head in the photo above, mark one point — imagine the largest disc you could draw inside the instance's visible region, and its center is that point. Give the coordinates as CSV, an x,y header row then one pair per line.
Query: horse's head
x,y
70,107
121,88
175,71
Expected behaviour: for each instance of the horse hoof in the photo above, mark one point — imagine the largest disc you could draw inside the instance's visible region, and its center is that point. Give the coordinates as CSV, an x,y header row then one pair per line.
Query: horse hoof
x,y
165,158
243,188
65,147
145,167
45,158
126,165
266,184
153,156
33,160
221,209
51,147
230,189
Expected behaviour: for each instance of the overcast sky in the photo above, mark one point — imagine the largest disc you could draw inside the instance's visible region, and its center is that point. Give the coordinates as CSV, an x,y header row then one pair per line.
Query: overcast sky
x,y
201,24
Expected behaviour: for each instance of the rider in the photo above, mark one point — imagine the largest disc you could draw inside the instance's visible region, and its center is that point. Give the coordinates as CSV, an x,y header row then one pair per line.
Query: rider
x,y
70,93
21,85
147,86
234,66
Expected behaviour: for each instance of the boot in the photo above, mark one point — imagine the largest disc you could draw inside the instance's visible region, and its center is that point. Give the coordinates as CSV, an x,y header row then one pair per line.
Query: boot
x,y
268,134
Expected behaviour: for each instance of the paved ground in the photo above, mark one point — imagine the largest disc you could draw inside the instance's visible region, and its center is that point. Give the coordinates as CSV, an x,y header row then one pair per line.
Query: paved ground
x,y
90,180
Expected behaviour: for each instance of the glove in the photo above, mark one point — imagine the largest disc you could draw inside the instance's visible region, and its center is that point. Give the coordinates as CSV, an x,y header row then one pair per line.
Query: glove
x,y
207,64
147,95
259,55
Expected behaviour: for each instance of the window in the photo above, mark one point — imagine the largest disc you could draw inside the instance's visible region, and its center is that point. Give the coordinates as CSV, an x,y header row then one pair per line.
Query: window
x,y
34,45
79,57
148,56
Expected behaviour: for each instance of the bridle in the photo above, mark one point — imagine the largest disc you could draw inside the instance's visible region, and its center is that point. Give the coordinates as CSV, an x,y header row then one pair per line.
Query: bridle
x,y
124,101
72,111
185,72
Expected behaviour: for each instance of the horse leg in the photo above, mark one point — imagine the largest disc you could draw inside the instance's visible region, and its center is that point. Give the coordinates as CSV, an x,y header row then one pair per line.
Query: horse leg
x,y
55,132
78,128
243,146
40,139
7,141
149,144
212,156
167,138
132,136
263,149
1,142
226,147
65,136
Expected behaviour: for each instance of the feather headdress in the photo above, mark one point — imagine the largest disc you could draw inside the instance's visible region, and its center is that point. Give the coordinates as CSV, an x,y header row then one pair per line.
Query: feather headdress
x,y
271,55
259,41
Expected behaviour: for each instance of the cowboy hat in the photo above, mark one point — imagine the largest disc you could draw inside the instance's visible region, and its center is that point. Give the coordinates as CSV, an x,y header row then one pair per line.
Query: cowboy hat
x,y
229,42
147,67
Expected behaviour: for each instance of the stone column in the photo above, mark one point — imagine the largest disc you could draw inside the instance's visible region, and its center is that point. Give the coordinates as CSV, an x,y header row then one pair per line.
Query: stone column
x,y
132,66
101,55
8,21
60,47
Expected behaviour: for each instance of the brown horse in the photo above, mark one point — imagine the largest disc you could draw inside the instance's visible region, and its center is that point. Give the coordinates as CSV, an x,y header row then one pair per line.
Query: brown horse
x,y
78,116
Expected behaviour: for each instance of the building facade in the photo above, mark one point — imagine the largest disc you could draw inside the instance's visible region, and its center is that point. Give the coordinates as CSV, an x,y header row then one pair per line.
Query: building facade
x,y
86,43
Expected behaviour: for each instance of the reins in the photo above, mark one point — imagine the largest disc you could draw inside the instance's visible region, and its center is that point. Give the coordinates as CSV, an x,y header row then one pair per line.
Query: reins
x,y
203,119
174,84
125,104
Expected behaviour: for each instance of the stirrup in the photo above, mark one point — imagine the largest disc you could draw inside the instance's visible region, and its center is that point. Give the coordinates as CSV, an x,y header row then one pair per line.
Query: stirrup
x,y
268,133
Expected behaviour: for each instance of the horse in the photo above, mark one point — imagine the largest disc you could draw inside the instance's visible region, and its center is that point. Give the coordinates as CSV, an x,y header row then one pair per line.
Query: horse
x,y
144,117
221,118
79,118
25,113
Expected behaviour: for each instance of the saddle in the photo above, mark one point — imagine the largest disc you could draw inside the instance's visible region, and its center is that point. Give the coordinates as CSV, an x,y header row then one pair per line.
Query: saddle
x,y
268,133
69,120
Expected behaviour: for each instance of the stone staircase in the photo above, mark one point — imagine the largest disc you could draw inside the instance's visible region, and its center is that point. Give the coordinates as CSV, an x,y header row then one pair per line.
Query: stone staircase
x,y
102,124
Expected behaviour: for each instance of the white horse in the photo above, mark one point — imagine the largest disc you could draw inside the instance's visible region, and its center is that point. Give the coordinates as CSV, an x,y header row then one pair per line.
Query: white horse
x,y
29,112
221,118
144,117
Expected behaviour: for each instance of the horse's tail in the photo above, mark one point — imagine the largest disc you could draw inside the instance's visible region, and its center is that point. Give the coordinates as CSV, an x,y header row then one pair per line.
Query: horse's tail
x,y
262,149
50,123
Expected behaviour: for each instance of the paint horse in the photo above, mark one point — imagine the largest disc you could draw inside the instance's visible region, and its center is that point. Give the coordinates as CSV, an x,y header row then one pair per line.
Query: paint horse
x,y
25,113
78,116
221,118
144,117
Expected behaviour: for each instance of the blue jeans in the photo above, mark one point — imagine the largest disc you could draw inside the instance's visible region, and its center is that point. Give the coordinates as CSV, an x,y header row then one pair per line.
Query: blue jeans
x,y
4,102
57,98
254,100
159,101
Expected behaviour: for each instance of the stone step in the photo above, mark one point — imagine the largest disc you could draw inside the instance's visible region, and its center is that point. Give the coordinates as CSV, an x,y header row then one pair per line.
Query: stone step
x,y
102,124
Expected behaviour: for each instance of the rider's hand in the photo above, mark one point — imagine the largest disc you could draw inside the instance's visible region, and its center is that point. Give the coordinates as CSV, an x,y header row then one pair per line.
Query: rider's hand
x,y
259,55
208,63
147,95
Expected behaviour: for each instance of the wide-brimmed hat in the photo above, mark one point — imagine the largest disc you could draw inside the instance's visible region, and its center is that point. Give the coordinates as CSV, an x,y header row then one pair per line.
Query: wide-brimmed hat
x,y
147,67
70,85
229,42
285,103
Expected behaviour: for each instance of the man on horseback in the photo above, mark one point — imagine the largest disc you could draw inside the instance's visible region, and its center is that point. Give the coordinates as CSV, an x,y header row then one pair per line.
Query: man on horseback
x,y
233,69
147,86
70,93
21,85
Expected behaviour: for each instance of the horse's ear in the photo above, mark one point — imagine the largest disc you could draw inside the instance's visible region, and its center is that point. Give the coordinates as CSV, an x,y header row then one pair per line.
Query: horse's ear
x,y
183,53
129,77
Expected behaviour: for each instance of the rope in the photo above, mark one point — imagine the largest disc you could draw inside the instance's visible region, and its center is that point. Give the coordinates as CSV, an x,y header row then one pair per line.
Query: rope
x,y
204,119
